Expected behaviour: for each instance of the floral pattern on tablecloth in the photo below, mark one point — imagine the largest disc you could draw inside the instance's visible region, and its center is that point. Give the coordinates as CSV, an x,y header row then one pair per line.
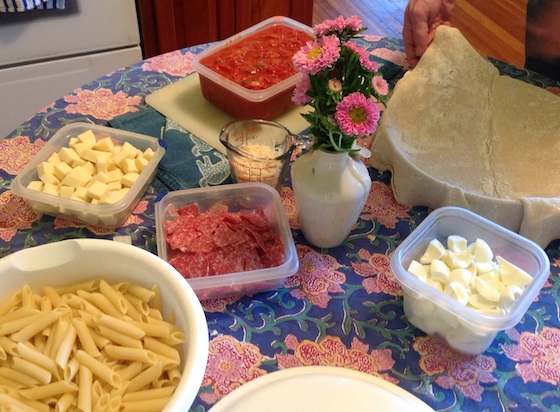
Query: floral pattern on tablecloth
x,y
342,308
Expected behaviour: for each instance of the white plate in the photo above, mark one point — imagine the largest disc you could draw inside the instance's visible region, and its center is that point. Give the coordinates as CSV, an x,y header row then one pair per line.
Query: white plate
x,y
319,388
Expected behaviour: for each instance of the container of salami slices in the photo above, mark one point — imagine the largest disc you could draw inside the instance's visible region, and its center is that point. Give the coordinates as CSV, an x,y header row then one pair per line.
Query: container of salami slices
x,y
227,240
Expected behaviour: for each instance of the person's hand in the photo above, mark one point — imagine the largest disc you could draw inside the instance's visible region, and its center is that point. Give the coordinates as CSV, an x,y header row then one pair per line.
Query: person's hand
x,y
421,18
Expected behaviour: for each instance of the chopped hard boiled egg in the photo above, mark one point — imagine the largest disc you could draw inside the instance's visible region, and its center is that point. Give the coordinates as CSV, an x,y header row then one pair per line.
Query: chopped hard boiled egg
x,y
469,274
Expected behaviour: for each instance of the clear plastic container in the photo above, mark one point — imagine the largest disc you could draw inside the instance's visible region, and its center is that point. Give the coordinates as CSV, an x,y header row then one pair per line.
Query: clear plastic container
x,y
111,215
463,328
234,197
242,102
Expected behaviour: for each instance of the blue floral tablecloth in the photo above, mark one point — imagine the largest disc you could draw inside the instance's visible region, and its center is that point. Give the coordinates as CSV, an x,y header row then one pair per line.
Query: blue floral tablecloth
x,y
344,306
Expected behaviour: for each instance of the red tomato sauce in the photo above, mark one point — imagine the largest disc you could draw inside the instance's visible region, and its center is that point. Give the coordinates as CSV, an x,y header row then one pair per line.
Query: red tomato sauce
x,y
261,60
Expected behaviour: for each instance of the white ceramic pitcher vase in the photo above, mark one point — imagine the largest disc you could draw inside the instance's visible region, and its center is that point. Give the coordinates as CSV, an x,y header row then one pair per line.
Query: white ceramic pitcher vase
x,y
330,190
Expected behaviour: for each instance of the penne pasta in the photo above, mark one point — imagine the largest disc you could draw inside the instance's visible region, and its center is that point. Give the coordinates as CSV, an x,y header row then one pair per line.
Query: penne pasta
x,y
141,292
102,403
100,301
131,370
27,300
156,330
174,375
17,376
174,338
99,369
15,395
50,389
13,301
87,349
132,312
137,303
116,298
28,352
164,392
8,345
53,342
150,405
161,348
144,378
85,336
130,354
157,301
71,369
121,326
88,286
167,363
15,325
6,399
31,369
84,393
65,402
118,337
51,294
73,301
65,348
43,320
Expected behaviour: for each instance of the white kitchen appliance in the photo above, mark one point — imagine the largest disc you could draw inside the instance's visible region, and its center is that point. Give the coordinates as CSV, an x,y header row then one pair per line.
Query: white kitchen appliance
x,y
45,54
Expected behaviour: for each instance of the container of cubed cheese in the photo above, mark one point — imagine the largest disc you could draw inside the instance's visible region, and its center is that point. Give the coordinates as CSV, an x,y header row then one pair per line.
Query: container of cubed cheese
x,y
90,173
433,308
250,74
228,240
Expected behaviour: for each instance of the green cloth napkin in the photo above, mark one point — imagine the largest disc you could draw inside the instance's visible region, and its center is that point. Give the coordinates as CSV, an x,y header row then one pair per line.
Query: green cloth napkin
x,y
188,161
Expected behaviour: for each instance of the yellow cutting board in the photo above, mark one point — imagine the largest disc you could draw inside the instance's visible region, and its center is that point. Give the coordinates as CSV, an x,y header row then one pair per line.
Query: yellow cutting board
x,y
183,103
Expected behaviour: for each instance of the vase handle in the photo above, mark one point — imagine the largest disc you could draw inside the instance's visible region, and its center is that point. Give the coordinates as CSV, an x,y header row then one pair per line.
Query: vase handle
x,y
303,140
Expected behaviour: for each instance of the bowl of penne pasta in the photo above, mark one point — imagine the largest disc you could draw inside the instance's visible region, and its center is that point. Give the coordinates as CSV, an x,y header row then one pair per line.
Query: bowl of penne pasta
x,y
93,324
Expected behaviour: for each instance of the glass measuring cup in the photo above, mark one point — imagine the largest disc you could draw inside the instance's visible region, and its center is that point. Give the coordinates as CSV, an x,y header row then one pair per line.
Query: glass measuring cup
x,y
259,150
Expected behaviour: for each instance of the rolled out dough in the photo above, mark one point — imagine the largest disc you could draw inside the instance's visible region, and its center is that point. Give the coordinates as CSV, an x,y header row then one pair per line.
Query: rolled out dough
x,y
457,133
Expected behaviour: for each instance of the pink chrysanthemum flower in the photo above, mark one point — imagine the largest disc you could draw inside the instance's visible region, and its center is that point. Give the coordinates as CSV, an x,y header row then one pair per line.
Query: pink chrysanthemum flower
x,y
356,115
338,25
300,96
363,55
335,85
380,85
317,55
354,22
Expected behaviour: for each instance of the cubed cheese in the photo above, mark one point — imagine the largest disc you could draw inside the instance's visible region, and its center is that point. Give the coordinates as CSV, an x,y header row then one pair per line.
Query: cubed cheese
x,y
87,137
97,190
141,163
66,191
113,197
129,166
35,185
61,169
129,179
68,155
104,144
54,158
50,189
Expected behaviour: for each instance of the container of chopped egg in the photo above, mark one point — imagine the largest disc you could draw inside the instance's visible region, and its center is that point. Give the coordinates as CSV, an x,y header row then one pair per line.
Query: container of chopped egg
x,y
90,173
465,278
258,150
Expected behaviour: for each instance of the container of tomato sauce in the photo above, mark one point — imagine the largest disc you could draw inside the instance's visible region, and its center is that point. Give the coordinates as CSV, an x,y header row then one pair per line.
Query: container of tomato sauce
x,y
251,74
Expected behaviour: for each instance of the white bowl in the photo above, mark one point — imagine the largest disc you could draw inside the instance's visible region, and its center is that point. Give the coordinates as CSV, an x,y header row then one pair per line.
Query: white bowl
x,y
74,261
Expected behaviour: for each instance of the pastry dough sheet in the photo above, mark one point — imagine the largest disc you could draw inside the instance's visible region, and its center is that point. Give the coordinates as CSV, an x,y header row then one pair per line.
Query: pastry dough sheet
x,y
457,133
